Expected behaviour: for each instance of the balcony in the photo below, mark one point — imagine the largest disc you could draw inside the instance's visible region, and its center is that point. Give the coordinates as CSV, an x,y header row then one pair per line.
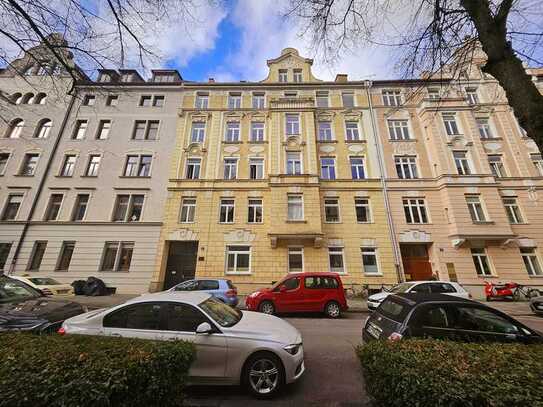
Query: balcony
x,y
292,102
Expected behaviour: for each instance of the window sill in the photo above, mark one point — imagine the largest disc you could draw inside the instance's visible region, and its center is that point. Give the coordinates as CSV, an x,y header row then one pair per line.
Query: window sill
x,y
89,176
327,141
144,140
237,273
63,176
23,175
373,274
129,176
254,223
113,271
226,223
332,222
364,223
489,276
232,142
258,141
355,141
296,221
187,223
491,138
485,222
409,140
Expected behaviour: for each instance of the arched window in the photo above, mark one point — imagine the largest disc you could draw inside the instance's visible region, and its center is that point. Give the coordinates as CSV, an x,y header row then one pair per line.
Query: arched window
x,y
43,129
15,128
16,98
29,71
27,99
39,99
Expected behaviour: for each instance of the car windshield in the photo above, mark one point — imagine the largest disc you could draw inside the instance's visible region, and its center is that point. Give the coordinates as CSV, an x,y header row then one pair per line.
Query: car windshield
x,y
44,281
11,291
401,288
279,283
189,285
221,313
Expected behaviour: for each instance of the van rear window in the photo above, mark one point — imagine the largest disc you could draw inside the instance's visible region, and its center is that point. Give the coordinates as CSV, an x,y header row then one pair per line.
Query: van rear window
x,y
393,310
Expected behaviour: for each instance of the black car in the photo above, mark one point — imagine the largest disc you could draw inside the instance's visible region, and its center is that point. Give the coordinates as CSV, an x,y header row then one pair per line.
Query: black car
x,y
444,317
22,308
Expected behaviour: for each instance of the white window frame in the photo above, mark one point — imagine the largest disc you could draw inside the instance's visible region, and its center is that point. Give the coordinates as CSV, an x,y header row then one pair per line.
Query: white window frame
x,y
297,200
332,203
49,206
282,75
201,100
258,129
484,128
336,251
104,128
295,250
198,132
292,124
231,249
514,214
195,162
392,97
370,250
477,257
531,261
406,166
352,133
537,160
230,168
416,207
450,124
234,100
325,132
251,204
68,167
258,100
328,169
188,207
358,203
297,75
117,262
92,167
358,167
232,132
296,162
462,164
44,128
497,166
475,202
472,96
258,163
80,129
398,129
227,207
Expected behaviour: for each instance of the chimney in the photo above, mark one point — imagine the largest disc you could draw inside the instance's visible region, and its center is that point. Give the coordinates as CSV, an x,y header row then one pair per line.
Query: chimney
x,y
211,80
341,77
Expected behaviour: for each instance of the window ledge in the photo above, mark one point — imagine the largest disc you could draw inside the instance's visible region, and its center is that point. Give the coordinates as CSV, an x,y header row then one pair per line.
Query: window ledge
x,y
23,175
131,177
237,273
327,141
333,223
491,276
484,222
296,221
355,141
63,176
232,142
531,276
89,176
491,138
409,140
258,141
373,274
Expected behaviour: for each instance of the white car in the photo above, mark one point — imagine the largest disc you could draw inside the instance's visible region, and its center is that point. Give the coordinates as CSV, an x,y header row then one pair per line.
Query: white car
x,y
442,287
233,347
47,285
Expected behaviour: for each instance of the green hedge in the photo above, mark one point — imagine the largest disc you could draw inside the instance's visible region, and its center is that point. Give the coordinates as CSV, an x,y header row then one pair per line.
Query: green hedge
x,y
439,373
77,370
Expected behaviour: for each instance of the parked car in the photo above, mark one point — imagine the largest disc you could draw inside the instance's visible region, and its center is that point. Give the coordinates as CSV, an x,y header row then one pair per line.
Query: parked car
x,y
262,352
22,308
536,304
47,285
303,292
416,315
219,288
427,287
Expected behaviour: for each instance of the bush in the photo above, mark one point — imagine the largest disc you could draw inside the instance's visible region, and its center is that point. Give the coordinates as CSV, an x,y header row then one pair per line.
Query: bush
x,y
78,370
439,373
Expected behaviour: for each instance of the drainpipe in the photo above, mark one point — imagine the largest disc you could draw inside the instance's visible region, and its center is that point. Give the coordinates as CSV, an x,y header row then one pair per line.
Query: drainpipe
x,y
382,169
41,185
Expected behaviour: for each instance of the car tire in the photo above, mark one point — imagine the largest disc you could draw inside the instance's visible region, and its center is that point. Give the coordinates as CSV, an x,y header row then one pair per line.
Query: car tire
x,y
332,310
263,375
267,307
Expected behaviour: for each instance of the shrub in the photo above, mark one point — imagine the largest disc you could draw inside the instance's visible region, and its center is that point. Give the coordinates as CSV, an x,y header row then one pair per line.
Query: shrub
x,y
439,373
78,370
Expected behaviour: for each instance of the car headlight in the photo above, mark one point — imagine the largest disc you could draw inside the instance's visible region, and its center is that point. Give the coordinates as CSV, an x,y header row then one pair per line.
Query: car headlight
x,y
293,349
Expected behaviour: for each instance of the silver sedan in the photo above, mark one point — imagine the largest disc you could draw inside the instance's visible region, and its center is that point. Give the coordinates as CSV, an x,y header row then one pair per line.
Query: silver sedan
x,y
233,347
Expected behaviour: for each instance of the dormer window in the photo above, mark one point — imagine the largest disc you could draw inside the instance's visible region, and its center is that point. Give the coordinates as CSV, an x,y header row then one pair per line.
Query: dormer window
x,y
202,100
234,100
164,78
297,75
127,77
471,95
105,77
283,75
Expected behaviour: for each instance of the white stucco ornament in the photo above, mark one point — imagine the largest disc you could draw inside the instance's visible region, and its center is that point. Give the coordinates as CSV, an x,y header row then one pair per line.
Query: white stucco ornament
x,y
493,146
239,235
231,149
183,234
415,236
256,149
327,149
356,148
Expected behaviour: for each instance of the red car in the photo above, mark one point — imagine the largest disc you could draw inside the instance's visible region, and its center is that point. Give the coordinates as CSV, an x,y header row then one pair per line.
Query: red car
x,y
303,292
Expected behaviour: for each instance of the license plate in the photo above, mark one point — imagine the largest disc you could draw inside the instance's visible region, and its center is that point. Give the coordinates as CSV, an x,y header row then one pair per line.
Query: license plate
x,y
63,291
374,330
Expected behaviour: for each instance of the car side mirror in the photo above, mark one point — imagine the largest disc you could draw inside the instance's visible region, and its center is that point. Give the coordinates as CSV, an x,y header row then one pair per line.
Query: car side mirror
x,y
283,288
204,329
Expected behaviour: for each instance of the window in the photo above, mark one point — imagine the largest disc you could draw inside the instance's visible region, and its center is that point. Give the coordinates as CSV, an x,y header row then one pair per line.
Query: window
x,y
232,132
415,210
531,261
30,162
127,77
297,75
141,316
325,131
145,130
328,168
258,100
294,163
322,99
165,77
112,100
357,168
234,100
13,204
202,100
185,318
369,260
392,97
198,132
362,208
68,166
15,128
65,257
155,101
80,207
471,95
398,130
104,77
537,160
351,131
451,127
117,256
512,210
128,208
480,259
292,124
295,207
103,130
44,128
93,165
256,168
475,208
257,131
283,75
36,256
138,165
193,168
188,210
5,248
295,259
461,162
433,93
484,128
331,210
321,283
226,214
53,207
80,130
406,167
496,166
238,259
347,98
290,284
89,100
335,257
4,157
255,211
230,168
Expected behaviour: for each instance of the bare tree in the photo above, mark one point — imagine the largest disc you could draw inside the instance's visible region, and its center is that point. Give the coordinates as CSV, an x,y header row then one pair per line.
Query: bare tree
x,y
429,33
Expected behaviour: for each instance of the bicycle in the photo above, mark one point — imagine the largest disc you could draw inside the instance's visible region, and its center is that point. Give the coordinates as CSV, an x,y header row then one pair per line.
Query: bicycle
x,y
527,292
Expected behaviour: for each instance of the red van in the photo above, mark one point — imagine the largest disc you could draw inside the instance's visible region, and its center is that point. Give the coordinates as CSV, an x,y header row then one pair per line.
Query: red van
x,y
303,292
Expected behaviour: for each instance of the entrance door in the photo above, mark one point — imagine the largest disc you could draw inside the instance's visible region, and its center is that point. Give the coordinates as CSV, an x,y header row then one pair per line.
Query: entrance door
x,y
181,264
415,261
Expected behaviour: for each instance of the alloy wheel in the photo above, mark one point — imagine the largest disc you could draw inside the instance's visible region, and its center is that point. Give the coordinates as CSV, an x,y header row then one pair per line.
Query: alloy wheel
x,y
267,308
264,376
332,310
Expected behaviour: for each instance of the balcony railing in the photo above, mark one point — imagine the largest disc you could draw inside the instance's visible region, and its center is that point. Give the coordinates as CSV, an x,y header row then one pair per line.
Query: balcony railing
x,y
292,102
